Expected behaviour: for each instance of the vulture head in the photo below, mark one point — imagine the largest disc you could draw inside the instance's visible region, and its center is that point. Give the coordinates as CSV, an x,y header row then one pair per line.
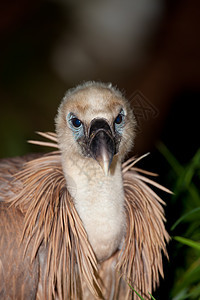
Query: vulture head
x,y
95,123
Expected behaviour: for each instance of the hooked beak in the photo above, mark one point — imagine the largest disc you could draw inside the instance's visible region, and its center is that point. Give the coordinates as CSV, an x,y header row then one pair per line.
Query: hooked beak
x,y
101,143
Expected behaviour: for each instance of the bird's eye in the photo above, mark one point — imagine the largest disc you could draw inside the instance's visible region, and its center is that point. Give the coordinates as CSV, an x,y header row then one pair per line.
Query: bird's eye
x,y
76,122
119,119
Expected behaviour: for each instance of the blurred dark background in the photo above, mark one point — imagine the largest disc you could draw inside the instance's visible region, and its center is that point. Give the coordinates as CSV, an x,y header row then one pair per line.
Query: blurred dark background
x,y
148,48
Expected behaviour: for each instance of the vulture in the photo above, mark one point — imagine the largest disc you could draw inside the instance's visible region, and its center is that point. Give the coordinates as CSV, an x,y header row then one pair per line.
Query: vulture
x,y
82,222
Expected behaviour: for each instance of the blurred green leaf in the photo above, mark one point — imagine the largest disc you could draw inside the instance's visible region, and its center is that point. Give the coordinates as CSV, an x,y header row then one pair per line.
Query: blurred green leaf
x,y
136,292
187,242
152,297
186,201
185,216
176,166
189,282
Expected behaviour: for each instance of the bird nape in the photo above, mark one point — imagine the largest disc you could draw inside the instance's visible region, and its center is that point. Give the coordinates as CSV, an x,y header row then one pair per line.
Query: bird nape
x,y
79,222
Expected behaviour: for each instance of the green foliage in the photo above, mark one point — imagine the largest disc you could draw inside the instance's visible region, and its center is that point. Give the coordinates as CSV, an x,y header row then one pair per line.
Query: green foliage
x,y
136,292
139,294
187,242
186,201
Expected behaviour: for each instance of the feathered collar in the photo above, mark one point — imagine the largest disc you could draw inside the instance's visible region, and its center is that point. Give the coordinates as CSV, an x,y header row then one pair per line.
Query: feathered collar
x,y
52,221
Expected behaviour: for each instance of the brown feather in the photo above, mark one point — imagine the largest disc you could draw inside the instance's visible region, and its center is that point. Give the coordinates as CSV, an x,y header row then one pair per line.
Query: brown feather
x,y
53,228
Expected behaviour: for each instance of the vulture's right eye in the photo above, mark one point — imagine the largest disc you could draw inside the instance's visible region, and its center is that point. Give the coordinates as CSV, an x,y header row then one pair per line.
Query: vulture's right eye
x,y
76,122
76,125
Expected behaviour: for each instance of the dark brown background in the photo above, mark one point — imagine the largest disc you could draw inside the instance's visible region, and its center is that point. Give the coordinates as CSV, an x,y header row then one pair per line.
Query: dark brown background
x,y
166,73
48,46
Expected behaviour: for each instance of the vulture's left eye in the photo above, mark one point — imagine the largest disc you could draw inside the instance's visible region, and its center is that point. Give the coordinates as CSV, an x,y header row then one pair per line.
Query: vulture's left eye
x,y
119,119
76,122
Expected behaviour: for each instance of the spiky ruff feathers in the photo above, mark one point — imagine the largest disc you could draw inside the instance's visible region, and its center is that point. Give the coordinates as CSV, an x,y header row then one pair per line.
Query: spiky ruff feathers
x,y
69,267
